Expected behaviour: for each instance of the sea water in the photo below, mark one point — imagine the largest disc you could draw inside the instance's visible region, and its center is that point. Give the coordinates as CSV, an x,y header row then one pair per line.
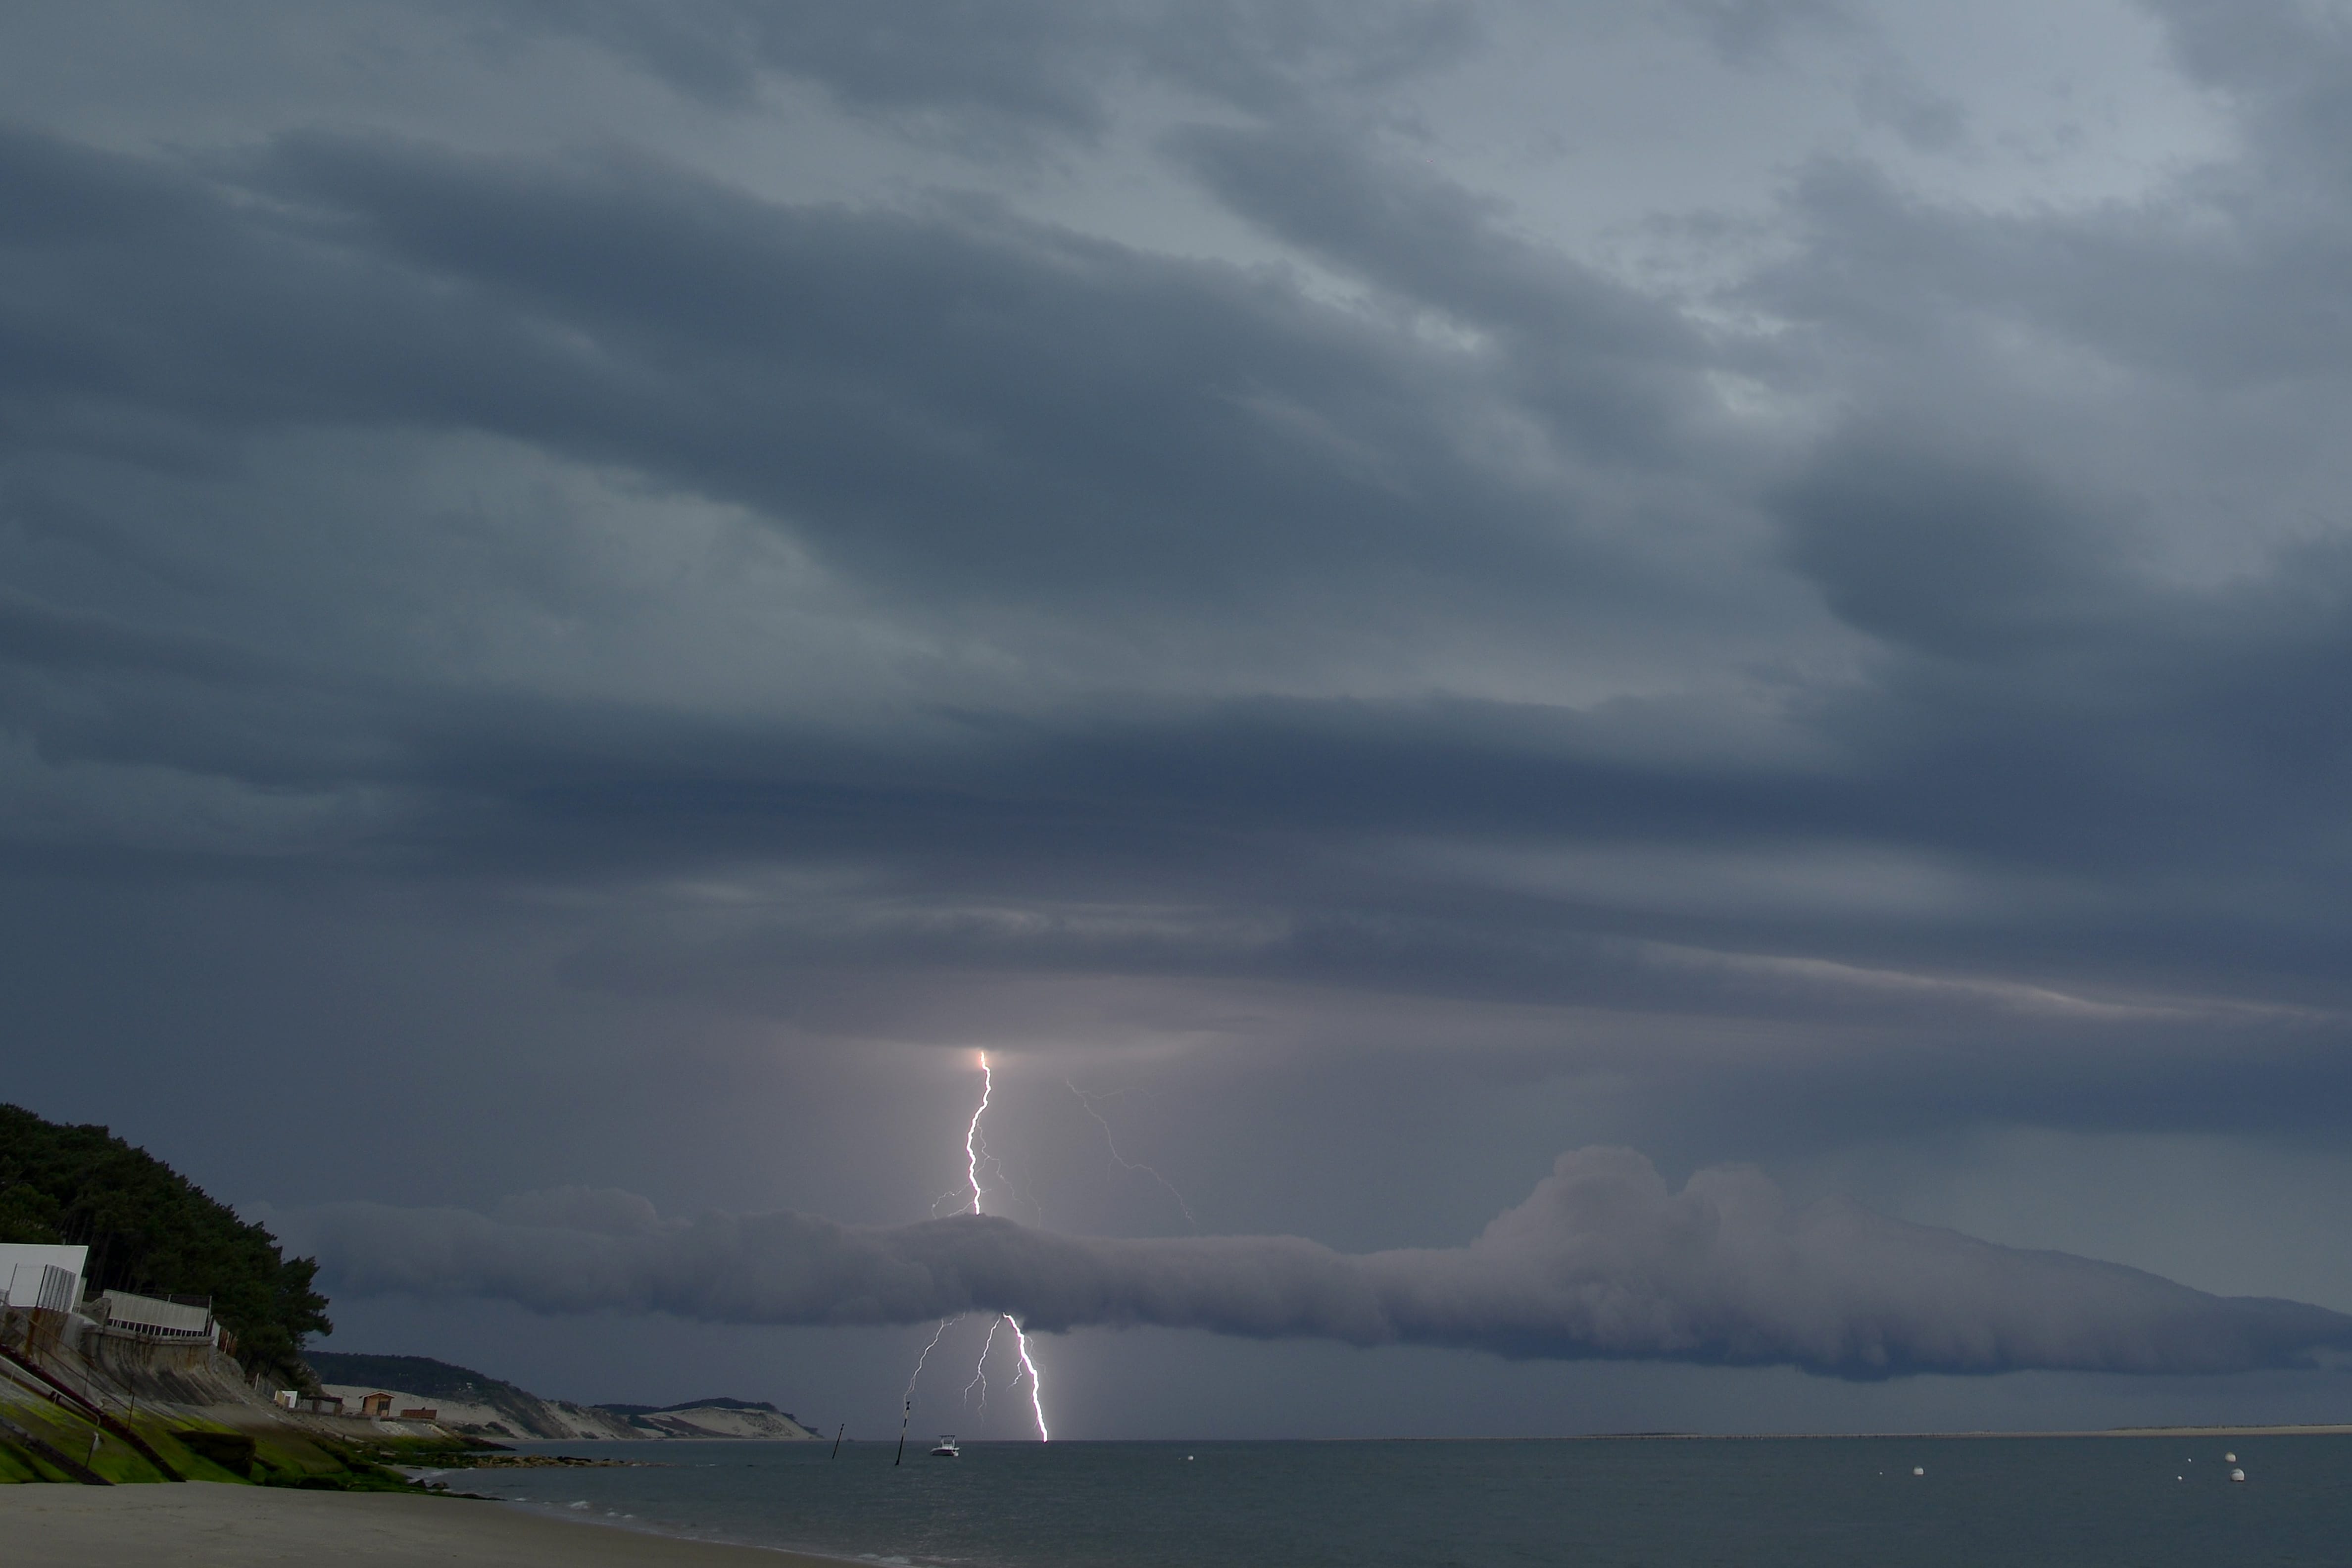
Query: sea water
x,y
2148,1502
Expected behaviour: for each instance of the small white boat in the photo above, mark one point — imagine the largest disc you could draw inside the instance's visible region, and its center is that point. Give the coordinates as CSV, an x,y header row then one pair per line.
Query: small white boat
x,y
947,1448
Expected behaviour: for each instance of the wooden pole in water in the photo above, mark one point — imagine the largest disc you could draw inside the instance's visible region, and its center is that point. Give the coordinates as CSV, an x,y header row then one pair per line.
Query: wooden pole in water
x,y
910,1415
836,1442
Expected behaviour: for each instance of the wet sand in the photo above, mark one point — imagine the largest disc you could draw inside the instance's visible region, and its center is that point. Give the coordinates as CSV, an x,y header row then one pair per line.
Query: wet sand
x,y
199,1526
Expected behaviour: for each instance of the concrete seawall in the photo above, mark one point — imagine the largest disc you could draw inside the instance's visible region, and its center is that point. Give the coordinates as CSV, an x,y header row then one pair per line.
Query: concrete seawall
x,y
83,1403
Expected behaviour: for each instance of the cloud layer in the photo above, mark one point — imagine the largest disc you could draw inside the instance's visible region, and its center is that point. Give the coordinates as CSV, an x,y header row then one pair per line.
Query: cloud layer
x,y
1602,1260
622,585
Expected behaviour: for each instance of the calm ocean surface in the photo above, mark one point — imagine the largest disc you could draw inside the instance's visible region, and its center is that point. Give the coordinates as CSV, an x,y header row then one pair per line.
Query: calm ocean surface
x,y
1757,1504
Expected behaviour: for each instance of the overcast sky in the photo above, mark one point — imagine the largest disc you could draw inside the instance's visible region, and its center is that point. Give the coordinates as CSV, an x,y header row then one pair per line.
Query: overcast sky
x,y
1361,594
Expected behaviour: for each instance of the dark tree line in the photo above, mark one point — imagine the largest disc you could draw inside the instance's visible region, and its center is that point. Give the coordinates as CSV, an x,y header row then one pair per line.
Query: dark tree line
x,y
151,1231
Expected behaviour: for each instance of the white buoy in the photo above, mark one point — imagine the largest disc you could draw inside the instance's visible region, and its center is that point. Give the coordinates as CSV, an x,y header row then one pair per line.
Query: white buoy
x,y
1918,1469
2237,1475
2229,1458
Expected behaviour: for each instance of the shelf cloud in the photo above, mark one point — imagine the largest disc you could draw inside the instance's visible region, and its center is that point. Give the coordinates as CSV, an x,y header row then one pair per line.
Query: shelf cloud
x,y
1602,1260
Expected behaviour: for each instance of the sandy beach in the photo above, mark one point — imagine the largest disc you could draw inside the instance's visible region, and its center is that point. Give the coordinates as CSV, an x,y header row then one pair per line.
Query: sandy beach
x,y
235,1527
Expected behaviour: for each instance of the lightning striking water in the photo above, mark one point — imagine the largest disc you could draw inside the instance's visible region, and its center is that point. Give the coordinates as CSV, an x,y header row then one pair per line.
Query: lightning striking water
x,y
1028,1369
1124,1164
1037,1398
975,1155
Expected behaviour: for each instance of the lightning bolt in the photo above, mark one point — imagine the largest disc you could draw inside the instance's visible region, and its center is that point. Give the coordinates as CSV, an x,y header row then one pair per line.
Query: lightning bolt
x,y
924,1357
1028,1369
907,1405
1124,1164
975,1155
1037,1397
980,1373
974,1148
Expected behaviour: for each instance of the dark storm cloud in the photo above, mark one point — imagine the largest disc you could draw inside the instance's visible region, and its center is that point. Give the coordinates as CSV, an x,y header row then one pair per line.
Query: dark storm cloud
x,y
1602,1260
1034,65
2285,64
2074,802
933,399
947,404
1903,721
1747,31
41,636
1608,364
1973,562
2221,292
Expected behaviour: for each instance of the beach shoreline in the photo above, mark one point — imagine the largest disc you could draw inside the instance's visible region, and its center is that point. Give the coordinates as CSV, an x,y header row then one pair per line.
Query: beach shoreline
x,y
1395,1508
205,1526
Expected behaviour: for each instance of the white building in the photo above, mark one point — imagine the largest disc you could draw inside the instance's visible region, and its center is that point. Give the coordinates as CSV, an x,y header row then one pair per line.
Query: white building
x,y
46,1276
156,1318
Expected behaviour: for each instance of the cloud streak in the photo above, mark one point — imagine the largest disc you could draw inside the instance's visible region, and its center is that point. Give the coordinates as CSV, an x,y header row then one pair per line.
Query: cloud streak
x,y
1602,1260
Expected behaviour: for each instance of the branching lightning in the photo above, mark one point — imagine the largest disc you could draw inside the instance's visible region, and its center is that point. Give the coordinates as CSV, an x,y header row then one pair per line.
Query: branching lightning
x,y
980,1373
966,1198
1124,1164
906,1405
975,1155
1028,1369
974,1148
926,1356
